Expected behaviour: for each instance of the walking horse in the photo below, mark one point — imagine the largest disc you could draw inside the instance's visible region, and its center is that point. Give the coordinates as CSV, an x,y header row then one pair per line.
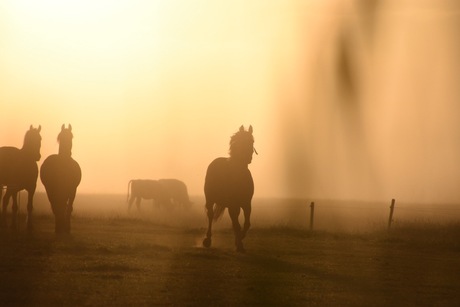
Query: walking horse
x,y
61,175
19,171
229,184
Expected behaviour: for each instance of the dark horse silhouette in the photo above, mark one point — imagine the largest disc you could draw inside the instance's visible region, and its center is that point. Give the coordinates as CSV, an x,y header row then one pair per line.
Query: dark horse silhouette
x,y
61,175
19,171
229,184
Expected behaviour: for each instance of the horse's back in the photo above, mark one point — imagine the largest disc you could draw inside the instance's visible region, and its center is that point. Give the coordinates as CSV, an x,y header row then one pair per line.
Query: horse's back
x,y
8,161
16,169
7,152
146,189
227,183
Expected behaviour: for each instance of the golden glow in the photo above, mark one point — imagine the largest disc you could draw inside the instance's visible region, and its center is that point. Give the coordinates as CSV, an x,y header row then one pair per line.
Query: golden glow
x,y
348,99
147,85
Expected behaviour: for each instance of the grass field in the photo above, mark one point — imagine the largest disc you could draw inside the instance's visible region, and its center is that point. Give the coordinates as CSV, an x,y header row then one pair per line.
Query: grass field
x,y
155,257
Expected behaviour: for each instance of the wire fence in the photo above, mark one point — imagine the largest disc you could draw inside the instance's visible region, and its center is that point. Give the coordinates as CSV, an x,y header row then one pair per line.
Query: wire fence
x,y
338,215
328,215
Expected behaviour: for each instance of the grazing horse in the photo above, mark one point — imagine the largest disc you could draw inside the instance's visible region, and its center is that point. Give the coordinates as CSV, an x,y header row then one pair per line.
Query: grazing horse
x,y
176,191
19,171
61,175
229,184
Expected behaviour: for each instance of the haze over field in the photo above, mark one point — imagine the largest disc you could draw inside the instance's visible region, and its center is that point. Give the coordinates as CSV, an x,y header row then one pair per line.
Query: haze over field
x,y
348,99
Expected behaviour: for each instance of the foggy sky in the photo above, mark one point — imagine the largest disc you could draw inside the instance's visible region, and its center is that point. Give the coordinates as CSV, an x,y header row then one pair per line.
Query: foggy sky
x,y
347,99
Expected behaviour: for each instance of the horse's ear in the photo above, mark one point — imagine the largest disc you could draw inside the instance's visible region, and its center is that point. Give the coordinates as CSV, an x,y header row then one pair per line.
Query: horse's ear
x,y
31,127
62,127
70,127
241,128
250,129
39,128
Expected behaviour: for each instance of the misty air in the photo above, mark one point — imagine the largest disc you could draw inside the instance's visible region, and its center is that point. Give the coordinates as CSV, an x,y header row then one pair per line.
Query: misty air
x,y
204,153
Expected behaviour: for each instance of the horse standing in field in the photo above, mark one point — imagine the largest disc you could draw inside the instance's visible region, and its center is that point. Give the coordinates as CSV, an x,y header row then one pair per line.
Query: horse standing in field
x,y
146,189
19,171
229,184
61,175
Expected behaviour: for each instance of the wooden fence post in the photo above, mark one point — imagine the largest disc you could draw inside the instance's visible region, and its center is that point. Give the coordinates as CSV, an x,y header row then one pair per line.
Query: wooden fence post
x,y
392,207
312,213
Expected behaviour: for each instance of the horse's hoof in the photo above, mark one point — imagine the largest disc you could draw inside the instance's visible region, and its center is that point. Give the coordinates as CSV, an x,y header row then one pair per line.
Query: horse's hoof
x,y
207,242
240,247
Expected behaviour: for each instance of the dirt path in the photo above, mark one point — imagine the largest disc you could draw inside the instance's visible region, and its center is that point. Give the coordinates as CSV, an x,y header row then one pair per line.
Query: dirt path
x,y
133,262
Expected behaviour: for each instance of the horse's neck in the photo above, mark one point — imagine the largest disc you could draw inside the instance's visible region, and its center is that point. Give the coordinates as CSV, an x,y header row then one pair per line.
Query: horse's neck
x,y
238,163
65,147
30,152
65,151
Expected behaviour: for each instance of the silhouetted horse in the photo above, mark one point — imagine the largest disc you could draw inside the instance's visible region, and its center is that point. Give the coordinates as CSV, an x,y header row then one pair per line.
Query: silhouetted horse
x,y
229,184
19,171
146,189
61,175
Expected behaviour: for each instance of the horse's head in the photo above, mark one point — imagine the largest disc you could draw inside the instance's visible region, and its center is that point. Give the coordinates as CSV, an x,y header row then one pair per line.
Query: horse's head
x,y
242,145
65,140
33,142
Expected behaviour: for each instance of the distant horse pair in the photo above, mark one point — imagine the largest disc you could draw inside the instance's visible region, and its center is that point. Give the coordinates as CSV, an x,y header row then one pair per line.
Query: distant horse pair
x,y
166,192
60,175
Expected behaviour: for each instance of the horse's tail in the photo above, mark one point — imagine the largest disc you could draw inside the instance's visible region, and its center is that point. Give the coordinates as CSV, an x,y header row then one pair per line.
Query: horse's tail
x,y
129,184
218,211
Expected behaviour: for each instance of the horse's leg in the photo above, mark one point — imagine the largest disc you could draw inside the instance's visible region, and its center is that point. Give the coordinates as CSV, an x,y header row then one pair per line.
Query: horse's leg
x,y
30,207
6,200
210,213
2,222
234,212
59,212
66,217
14,221
130,202
68,211
60,209
138,203
247,220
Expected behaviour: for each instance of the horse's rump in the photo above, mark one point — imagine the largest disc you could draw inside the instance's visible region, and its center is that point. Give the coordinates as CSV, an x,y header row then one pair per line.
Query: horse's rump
x,y
59,174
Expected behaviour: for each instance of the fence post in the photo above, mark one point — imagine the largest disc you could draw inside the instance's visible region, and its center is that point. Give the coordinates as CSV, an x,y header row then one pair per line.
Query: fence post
x,y
392,207
312,213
